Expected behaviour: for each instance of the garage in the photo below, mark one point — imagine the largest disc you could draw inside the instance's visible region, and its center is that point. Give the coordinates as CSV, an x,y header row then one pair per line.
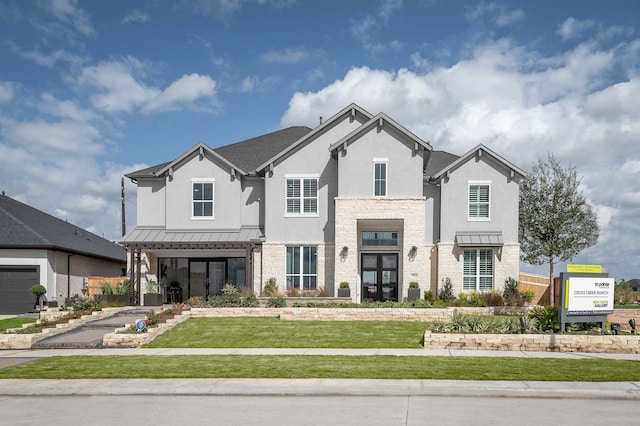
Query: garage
x,y
15,282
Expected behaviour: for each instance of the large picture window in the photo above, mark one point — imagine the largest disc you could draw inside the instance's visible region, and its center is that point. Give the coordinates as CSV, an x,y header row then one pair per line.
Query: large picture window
x,y
479,201
202,199
379,178
478,270
302,196
302,267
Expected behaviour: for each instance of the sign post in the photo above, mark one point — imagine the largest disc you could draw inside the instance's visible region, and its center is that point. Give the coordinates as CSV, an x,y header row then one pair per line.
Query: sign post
x,y
585,296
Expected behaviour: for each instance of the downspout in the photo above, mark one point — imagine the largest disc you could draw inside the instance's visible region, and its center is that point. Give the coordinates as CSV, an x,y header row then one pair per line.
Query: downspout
x,y
69,275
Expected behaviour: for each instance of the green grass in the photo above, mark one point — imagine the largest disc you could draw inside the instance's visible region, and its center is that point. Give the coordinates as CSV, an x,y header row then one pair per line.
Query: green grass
x,y
274,333
356,367
14,322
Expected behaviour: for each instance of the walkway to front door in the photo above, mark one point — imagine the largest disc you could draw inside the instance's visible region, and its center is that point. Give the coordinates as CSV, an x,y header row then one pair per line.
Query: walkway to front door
x,y
379,272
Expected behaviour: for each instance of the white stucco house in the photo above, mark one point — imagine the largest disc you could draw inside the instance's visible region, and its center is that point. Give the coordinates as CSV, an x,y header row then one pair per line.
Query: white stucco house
x,y
358,199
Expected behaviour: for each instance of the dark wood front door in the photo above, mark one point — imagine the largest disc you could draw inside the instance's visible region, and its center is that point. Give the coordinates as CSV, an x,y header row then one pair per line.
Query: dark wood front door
x,y
379,272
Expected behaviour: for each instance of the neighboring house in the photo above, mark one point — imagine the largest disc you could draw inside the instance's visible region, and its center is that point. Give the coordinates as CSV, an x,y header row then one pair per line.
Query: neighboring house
x,y
358,199
37,248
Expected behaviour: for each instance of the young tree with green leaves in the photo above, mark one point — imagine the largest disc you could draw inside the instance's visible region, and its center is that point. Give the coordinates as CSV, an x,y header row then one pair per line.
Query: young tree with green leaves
x,y
556,222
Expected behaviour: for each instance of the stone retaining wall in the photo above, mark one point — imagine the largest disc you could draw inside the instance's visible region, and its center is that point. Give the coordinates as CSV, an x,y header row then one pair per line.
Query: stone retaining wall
x,y
26,341
135,340
621,344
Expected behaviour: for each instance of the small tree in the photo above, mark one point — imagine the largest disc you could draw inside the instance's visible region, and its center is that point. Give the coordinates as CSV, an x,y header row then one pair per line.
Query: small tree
x,y
556,222
623,292
38,291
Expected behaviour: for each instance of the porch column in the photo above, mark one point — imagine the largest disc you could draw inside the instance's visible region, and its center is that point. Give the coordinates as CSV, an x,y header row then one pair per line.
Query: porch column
x,y
132,263
249,266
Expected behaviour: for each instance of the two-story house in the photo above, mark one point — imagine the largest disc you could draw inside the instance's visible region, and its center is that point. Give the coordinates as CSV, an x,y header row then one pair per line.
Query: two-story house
x,y
358,199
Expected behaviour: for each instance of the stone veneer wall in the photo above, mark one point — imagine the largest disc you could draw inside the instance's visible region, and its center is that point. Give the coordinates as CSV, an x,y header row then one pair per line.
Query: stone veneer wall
x,y
274,263
450,264
411,210
621,344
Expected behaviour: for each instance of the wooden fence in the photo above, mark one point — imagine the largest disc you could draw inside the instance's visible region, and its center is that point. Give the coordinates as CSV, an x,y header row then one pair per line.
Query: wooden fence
x,y
95,284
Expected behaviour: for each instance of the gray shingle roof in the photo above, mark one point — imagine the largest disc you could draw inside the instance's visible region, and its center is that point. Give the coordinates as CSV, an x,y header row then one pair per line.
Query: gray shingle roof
x,y
246,155
251,153
438,161
24,227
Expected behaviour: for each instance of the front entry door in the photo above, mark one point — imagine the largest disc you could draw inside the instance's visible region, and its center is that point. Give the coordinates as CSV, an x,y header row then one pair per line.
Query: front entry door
x,y
206,277
379,272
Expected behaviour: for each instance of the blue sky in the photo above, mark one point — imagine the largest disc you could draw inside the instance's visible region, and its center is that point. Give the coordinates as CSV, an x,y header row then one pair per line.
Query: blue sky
x,y
90,90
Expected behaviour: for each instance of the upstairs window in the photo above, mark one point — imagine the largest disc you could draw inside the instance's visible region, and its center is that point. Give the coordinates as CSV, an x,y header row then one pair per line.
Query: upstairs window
x,y
479,201
202,199
302,196
380,177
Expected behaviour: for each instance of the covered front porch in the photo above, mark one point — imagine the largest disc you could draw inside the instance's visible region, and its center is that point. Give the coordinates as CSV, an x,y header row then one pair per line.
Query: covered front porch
x,y
188,264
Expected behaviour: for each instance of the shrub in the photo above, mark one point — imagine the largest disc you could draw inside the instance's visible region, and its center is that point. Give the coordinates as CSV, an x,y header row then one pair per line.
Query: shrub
x,y
428,296
223,300
544,318
229,289
414,284
250,301
461,323
528,295
293,292
491,298
152,287
89,305
38,290
344,284
276,302
321,292
446,292
196,302
510,288
270,288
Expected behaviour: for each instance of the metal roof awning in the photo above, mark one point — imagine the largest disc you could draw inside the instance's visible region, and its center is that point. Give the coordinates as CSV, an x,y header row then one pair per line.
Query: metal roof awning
x,y
479,239
158,238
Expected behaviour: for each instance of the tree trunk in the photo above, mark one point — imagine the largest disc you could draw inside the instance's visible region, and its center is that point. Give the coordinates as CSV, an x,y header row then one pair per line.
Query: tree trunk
x,y
551,286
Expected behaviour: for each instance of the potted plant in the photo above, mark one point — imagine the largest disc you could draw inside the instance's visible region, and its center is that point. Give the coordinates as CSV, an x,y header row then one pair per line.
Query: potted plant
x,y
413,293
38,291
152,296
344,290
118,295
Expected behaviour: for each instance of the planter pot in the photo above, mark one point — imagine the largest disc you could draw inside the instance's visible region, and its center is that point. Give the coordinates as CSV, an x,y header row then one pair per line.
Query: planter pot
x,y
116,299
413,294
152,299
344,292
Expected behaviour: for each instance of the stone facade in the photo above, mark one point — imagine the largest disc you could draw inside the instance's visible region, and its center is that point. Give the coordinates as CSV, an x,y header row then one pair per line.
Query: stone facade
x,y
622,344
450,265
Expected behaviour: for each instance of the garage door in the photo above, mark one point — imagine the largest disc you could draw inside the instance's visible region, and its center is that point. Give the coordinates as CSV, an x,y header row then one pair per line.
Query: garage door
x,y
15,282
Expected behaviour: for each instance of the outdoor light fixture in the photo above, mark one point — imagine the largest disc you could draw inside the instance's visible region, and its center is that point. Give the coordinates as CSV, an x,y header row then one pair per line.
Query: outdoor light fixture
x,y
344,252
615,328
413,252
523,324
632,323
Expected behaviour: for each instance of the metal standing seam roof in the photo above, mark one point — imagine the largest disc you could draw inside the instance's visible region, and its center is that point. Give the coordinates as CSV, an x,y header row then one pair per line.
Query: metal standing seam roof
x,y
162,236
480,239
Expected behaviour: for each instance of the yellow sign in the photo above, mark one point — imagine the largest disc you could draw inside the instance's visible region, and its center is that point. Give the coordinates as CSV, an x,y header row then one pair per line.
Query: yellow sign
x,y
585,269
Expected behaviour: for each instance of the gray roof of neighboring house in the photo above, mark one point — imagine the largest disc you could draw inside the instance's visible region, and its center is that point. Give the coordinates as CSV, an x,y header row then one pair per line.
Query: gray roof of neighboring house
x,y
24,227
246,155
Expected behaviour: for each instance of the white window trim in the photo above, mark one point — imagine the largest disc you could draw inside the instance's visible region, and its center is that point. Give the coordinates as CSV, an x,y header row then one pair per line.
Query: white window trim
x,y
478,182
477,274
384,161
213,198
301,177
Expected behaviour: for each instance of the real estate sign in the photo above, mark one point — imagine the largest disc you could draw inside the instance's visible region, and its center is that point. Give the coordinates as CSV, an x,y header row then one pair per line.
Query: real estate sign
x,y
589,295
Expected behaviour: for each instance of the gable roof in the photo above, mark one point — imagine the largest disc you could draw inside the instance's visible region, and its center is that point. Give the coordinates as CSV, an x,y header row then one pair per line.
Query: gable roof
x,y
478,150
380,119
24,227
350,110
244,156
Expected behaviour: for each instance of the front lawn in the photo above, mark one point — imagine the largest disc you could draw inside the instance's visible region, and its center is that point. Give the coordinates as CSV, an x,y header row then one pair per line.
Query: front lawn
x,y
274,333
14,322
311,366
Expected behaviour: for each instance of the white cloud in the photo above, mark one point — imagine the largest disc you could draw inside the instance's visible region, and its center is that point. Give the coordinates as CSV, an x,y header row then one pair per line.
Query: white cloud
x,y
286,56
48,60
573,28
186,90
498,14
523,105
248,84
6,91
136,15
68,19
224,9
364,29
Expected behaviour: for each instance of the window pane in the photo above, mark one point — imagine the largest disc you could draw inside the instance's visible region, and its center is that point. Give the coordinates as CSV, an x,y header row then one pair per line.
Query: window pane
x,y
208,191
483,193
310,188
469,284
469,263
207,209
293,206
389,262
293,188
309,260
310,206
293,260
370,261
197,191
